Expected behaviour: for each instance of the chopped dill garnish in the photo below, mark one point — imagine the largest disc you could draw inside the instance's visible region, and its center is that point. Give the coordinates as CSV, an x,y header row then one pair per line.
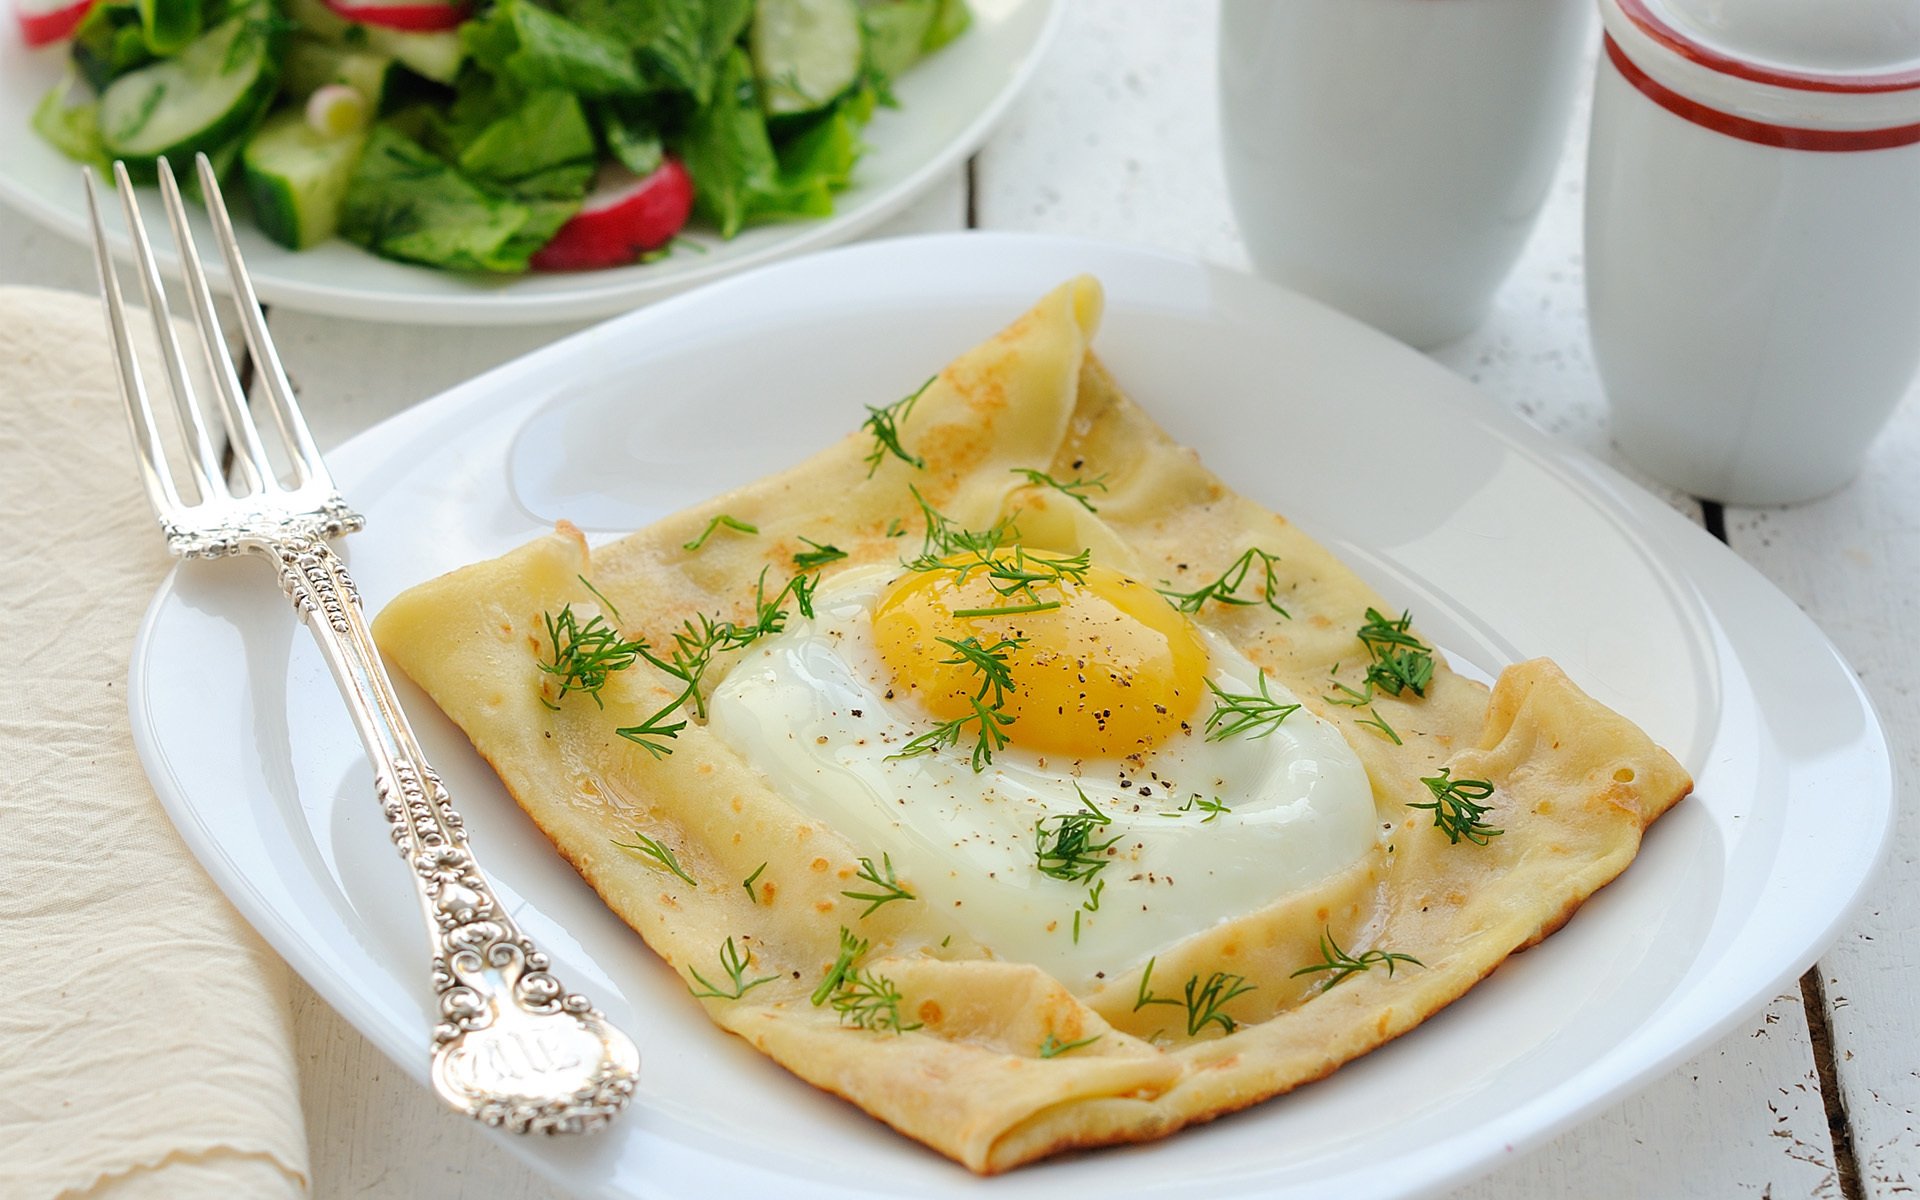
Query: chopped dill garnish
x,y
1074,489
735,965
884,423
1226,589
988,718
653,733
585,656
659,854
1064,845
733,523
1213,808
886,888
1401,661
851,950
598,595
1343,965
867,1000
1235,713
819,556
1378,724
1456,808
1053,1046
1204,1000
747,883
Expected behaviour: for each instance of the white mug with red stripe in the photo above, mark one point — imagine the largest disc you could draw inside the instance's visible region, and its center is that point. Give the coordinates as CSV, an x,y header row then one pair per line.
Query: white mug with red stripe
x,y
1389,156
1753,237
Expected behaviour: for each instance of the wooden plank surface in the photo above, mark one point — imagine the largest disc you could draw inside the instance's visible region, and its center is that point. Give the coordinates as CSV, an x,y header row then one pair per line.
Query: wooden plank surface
x,y
1119,140
1852,561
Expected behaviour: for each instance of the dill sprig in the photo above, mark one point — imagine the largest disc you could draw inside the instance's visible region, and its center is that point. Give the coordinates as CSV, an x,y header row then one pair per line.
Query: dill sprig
x,y
747,883
987,718
735,964
819,556
1010,568
851,950
1342,965
733,523
1401,661
585,656
884,423
1213,808
1204,1000
1349,697
868,1000
1064,845
1054,1046
989,724
887,889
653,734
658,853
1235,713
1457,809
696,642
1226,589
1074,489
1378,724
1090,904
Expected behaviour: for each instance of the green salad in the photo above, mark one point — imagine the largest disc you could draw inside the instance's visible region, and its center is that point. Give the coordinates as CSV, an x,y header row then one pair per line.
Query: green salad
x,y
497,135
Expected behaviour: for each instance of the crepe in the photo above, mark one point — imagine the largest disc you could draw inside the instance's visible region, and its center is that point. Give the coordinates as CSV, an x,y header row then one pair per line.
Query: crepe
x,y
1574,784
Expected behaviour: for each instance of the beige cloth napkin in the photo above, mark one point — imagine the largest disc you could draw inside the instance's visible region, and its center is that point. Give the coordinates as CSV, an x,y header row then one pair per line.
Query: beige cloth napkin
x,y
146,1042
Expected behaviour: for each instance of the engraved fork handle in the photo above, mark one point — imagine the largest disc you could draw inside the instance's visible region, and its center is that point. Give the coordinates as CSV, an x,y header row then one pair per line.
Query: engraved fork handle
x,y
513,1047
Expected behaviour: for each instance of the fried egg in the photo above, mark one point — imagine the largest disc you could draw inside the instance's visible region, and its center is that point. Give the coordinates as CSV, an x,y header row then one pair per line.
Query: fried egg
x,y
1109,690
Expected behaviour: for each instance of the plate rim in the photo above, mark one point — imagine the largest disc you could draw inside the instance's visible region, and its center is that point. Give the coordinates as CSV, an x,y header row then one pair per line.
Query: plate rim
x,y
1574,467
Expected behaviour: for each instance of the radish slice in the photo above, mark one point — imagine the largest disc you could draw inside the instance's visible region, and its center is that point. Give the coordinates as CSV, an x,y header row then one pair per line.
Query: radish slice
x,y
625,216
336,110
44,21
415,16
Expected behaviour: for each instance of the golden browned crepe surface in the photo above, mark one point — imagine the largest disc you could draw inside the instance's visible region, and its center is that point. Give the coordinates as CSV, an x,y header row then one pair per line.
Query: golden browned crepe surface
x,y
1574,784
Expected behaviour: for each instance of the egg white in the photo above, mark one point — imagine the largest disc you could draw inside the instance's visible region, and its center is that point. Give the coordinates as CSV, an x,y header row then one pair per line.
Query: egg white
x,y
810,708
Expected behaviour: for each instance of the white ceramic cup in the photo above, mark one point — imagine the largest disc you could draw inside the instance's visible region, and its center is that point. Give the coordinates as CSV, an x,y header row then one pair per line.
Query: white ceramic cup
x,y
1753,237
1390,156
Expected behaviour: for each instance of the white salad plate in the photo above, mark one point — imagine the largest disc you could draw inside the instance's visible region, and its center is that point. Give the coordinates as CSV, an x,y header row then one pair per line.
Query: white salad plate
x,y
949,102
1504,544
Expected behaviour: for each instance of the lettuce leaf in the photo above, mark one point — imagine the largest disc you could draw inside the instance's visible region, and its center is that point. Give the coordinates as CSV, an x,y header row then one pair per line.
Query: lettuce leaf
x,y
537,49
405,202
727,150
542,148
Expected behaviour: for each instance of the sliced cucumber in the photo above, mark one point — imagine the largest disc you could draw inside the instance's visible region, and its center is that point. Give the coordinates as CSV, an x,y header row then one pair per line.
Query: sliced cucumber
x,y
169,24
896,30
312,64
297,178
208,95
436,56
805,52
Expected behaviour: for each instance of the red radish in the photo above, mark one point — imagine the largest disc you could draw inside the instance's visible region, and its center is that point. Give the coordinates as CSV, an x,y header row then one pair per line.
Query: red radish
x,y
625,216
413,16
44,21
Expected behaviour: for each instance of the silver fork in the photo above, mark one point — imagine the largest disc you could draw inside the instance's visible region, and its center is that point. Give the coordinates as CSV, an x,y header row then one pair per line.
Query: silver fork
x,y
512,1047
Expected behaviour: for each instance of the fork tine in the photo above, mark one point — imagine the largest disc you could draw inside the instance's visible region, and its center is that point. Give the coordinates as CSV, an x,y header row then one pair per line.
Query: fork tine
x,y
146,436
200,453
256,471
308,465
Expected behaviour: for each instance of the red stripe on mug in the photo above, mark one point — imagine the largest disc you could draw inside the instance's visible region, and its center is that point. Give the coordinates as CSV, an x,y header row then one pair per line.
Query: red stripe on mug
x,y
1715,60
1785,136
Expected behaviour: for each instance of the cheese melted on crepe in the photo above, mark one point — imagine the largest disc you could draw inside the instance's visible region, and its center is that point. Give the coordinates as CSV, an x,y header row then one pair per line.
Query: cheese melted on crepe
x,y
839,875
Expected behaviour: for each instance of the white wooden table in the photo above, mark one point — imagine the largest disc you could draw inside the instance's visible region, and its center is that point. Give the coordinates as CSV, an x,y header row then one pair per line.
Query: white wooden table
x,y
1813,1097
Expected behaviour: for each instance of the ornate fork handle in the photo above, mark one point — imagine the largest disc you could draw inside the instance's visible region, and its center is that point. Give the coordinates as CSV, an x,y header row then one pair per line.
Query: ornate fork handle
x,y
513,1047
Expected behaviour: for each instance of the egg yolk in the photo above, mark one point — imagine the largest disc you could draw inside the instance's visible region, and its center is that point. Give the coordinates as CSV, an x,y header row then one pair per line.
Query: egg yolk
x,y
1105,668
